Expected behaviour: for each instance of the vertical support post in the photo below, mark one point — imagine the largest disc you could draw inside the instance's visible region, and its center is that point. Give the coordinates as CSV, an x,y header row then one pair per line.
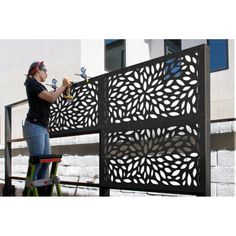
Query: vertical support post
x,y
204,75
103,191
8,189
207,120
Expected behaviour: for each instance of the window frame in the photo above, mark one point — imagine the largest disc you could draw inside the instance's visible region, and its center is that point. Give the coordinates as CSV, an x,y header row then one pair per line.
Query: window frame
x,y
117,42
227,55
165,45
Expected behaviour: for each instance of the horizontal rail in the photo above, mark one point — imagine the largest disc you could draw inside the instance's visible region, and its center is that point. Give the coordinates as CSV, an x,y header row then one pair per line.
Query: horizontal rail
x,y
223,120
86,184
17,103
212,121
16,140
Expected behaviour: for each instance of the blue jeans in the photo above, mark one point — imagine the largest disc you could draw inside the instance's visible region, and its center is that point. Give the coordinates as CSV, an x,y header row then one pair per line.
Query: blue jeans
x,y
37,138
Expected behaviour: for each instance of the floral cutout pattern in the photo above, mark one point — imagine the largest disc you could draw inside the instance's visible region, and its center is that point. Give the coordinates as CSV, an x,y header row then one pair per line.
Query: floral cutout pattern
x,y
141,154
162,156
164,89
81,112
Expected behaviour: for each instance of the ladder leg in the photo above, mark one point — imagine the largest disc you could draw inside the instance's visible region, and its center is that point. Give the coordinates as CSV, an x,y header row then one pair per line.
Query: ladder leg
x,y
34,186
53,175
35,191
28,191
51,189
58,187
29,177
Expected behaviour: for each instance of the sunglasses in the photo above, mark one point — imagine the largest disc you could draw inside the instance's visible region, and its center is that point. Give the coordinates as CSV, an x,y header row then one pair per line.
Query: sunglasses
x,y
45,70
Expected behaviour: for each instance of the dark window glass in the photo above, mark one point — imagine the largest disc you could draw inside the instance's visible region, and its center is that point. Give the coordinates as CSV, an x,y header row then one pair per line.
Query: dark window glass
x,y
114,54
172,45
218,54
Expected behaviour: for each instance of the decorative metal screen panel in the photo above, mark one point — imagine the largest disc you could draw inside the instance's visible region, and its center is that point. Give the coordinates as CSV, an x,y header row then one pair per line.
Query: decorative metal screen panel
x,y
153,120
166,88
81,112
162,156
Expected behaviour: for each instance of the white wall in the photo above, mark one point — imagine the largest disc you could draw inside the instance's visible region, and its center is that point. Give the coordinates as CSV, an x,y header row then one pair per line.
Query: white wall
x,y
222,89
62,58
156,48
137,51
92,56
188,43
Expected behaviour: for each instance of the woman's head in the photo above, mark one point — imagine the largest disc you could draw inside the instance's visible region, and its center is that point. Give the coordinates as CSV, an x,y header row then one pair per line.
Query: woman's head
x,y
38,71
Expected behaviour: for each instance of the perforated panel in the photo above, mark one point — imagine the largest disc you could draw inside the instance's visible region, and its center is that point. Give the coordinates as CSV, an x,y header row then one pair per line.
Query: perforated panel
x,y
167,88
81,112
153,120
167,156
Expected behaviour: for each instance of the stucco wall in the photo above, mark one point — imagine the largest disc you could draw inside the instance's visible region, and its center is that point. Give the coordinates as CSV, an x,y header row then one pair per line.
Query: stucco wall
x,y
62,58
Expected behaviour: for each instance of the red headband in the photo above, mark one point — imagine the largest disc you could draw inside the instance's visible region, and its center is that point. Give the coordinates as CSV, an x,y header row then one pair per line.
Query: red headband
x,y
33,71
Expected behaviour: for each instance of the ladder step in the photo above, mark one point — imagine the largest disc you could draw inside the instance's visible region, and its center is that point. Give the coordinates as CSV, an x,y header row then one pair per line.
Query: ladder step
x,y
45,159
42,182
32,185
50,160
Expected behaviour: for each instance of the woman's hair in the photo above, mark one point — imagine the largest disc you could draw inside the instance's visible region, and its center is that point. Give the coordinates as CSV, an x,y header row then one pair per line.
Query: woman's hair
x,y
33,69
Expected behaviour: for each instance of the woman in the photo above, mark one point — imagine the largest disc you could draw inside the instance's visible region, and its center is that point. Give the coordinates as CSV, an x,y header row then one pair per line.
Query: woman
x,y
35,129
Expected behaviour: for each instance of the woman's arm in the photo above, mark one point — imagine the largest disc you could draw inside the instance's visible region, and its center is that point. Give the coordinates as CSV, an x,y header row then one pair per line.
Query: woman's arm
x,y
52,96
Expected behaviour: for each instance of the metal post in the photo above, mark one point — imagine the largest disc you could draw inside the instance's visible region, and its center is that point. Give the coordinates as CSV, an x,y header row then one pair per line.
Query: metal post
x,y
207,120
204,75
104,192
8,189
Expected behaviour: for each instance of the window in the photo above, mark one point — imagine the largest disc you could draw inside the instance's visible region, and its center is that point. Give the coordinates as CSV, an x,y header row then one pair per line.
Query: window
x,y
218,54
172,45
114,54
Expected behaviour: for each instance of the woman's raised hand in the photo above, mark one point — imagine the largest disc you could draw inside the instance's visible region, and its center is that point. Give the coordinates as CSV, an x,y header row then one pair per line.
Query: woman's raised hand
x,y
66,82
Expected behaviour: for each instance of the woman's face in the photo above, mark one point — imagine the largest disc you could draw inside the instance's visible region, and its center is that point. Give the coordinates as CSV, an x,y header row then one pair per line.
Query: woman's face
x,y
43,75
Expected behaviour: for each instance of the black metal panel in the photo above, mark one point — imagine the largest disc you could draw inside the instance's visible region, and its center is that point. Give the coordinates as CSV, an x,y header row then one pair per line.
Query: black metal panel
x,y
161,156
165,94
155,89
79,114
153,120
